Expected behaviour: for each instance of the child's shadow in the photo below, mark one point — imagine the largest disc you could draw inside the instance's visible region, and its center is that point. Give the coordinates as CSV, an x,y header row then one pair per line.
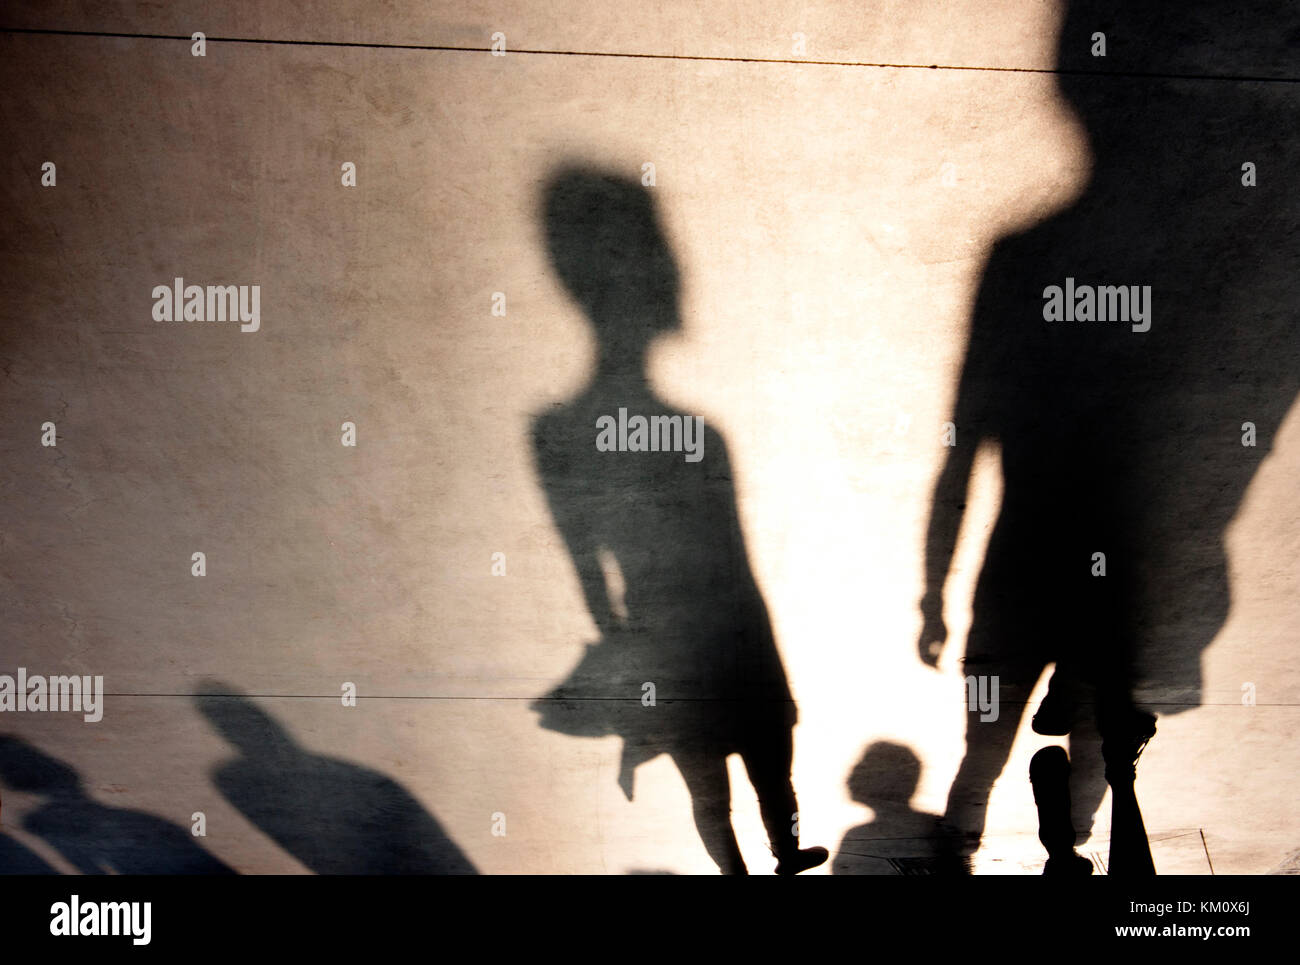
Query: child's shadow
x,y
899,841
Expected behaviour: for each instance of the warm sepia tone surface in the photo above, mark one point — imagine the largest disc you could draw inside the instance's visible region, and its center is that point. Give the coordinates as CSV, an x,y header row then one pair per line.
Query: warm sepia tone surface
x,y
828,277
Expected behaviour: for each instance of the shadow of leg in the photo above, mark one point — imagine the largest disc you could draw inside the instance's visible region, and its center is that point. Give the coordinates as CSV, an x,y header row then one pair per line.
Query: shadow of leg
x,y
710,789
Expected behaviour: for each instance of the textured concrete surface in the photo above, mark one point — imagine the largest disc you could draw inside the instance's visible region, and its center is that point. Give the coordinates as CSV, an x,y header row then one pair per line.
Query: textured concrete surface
x,y
829,273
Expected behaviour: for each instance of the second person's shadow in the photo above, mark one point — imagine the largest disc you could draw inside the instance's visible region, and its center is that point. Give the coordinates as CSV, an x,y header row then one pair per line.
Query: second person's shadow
x,y
333,816
94,838
687,664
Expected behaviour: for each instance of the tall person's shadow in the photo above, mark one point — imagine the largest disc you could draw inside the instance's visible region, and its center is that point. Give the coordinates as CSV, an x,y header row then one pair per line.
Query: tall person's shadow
x,y
687,664
1126,445
94,838
333,816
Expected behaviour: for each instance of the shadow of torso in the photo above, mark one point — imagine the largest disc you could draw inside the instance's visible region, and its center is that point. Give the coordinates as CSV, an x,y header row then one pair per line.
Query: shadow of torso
x,y
693,623
1129,442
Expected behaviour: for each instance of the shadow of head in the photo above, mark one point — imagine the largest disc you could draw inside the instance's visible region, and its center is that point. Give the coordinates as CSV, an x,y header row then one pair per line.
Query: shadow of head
x,y
888,773
24,768
239,720
607,246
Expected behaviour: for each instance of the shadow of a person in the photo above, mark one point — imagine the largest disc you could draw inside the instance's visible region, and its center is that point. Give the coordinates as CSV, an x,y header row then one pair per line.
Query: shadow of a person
x,y
1127,441
94,838
17,859
333,816
687,664
898,840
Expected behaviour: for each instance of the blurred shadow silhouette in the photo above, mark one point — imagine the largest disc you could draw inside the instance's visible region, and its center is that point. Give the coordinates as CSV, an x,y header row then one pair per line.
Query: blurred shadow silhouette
x,y
94,838
17,859
1114,440
898,840
333,816
656,541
